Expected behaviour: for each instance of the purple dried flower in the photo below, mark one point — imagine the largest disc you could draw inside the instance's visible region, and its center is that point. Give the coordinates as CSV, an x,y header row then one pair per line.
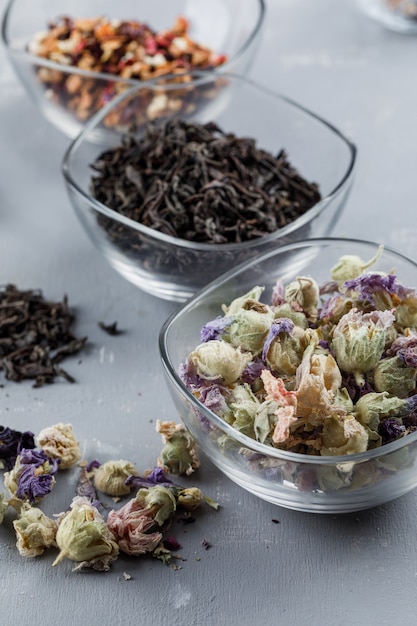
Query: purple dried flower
x,y
369,284
215,328
324,344
282,325
12,442
253,370
85,487
390,430
214,398
155,477
33,486
330,306
408,356
34,473
189,376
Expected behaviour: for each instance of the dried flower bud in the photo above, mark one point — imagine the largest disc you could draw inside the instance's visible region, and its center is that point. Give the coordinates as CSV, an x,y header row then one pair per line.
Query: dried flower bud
x,y
35,531
317,381
58,442
31,478
83,537
243,301
359,340
265,420
343,436
244,406
110,477
135,524
248,329
303,295
190,498
351,266
218,360
373,407
406,312
284,347
179,454
393,376
297,317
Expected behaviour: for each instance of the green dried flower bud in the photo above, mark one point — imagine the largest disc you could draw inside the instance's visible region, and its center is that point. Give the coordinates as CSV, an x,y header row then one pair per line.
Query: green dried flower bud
x,y
243,302
58,442
343,436
303,294
350,266
83,536
359,340
372,408
297,317
217,359
286,351
160,501
110,477
393,376
179,454
249,329
244,406
35,531
190,498
265,420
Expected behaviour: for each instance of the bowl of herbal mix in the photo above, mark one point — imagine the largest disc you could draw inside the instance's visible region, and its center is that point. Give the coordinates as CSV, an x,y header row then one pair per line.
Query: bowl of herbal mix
x,y
296,374
174,202
75,56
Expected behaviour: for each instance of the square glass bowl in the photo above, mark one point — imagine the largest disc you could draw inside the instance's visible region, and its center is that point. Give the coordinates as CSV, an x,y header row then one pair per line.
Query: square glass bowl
x,y
68,92
317,484
173,268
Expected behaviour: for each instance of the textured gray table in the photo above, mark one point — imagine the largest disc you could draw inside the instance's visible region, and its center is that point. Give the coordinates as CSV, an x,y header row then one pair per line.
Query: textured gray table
x,y
353,570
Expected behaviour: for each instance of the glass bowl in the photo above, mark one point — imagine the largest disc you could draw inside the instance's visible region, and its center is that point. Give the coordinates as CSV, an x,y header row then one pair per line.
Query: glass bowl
x,y
173,268
397,15
319,484
68,92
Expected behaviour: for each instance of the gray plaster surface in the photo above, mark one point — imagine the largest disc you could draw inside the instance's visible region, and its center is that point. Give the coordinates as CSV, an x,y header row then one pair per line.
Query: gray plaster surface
x,y
306,570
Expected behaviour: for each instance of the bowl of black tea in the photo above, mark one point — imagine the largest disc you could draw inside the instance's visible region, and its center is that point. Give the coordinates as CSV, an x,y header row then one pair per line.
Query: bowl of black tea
x,y
174,202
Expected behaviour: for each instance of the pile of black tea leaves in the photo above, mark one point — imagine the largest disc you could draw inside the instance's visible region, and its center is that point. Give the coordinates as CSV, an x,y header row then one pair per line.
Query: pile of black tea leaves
x,y
196,182
35,336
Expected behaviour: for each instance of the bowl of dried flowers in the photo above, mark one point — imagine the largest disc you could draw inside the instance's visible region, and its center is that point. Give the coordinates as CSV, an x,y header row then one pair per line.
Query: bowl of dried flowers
x,y
74,56
296,374
175,202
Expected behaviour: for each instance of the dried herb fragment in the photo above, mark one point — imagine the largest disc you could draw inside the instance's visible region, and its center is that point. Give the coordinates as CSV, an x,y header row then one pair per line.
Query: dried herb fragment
x,y
110,329
199,183
35,336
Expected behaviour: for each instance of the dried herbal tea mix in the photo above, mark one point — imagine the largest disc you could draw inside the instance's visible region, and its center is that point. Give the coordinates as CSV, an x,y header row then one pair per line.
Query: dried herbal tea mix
x,y
317,371
128,49
199,183
35,336
86,533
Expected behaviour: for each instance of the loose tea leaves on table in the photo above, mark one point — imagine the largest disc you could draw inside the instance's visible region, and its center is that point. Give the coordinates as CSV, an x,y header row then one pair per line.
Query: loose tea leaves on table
x,y
35,336
199,183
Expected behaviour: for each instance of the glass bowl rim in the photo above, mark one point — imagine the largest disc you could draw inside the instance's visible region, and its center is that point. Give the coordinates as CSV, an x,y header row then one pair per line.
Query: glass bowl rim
x,y
236,435
70,69
201,77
